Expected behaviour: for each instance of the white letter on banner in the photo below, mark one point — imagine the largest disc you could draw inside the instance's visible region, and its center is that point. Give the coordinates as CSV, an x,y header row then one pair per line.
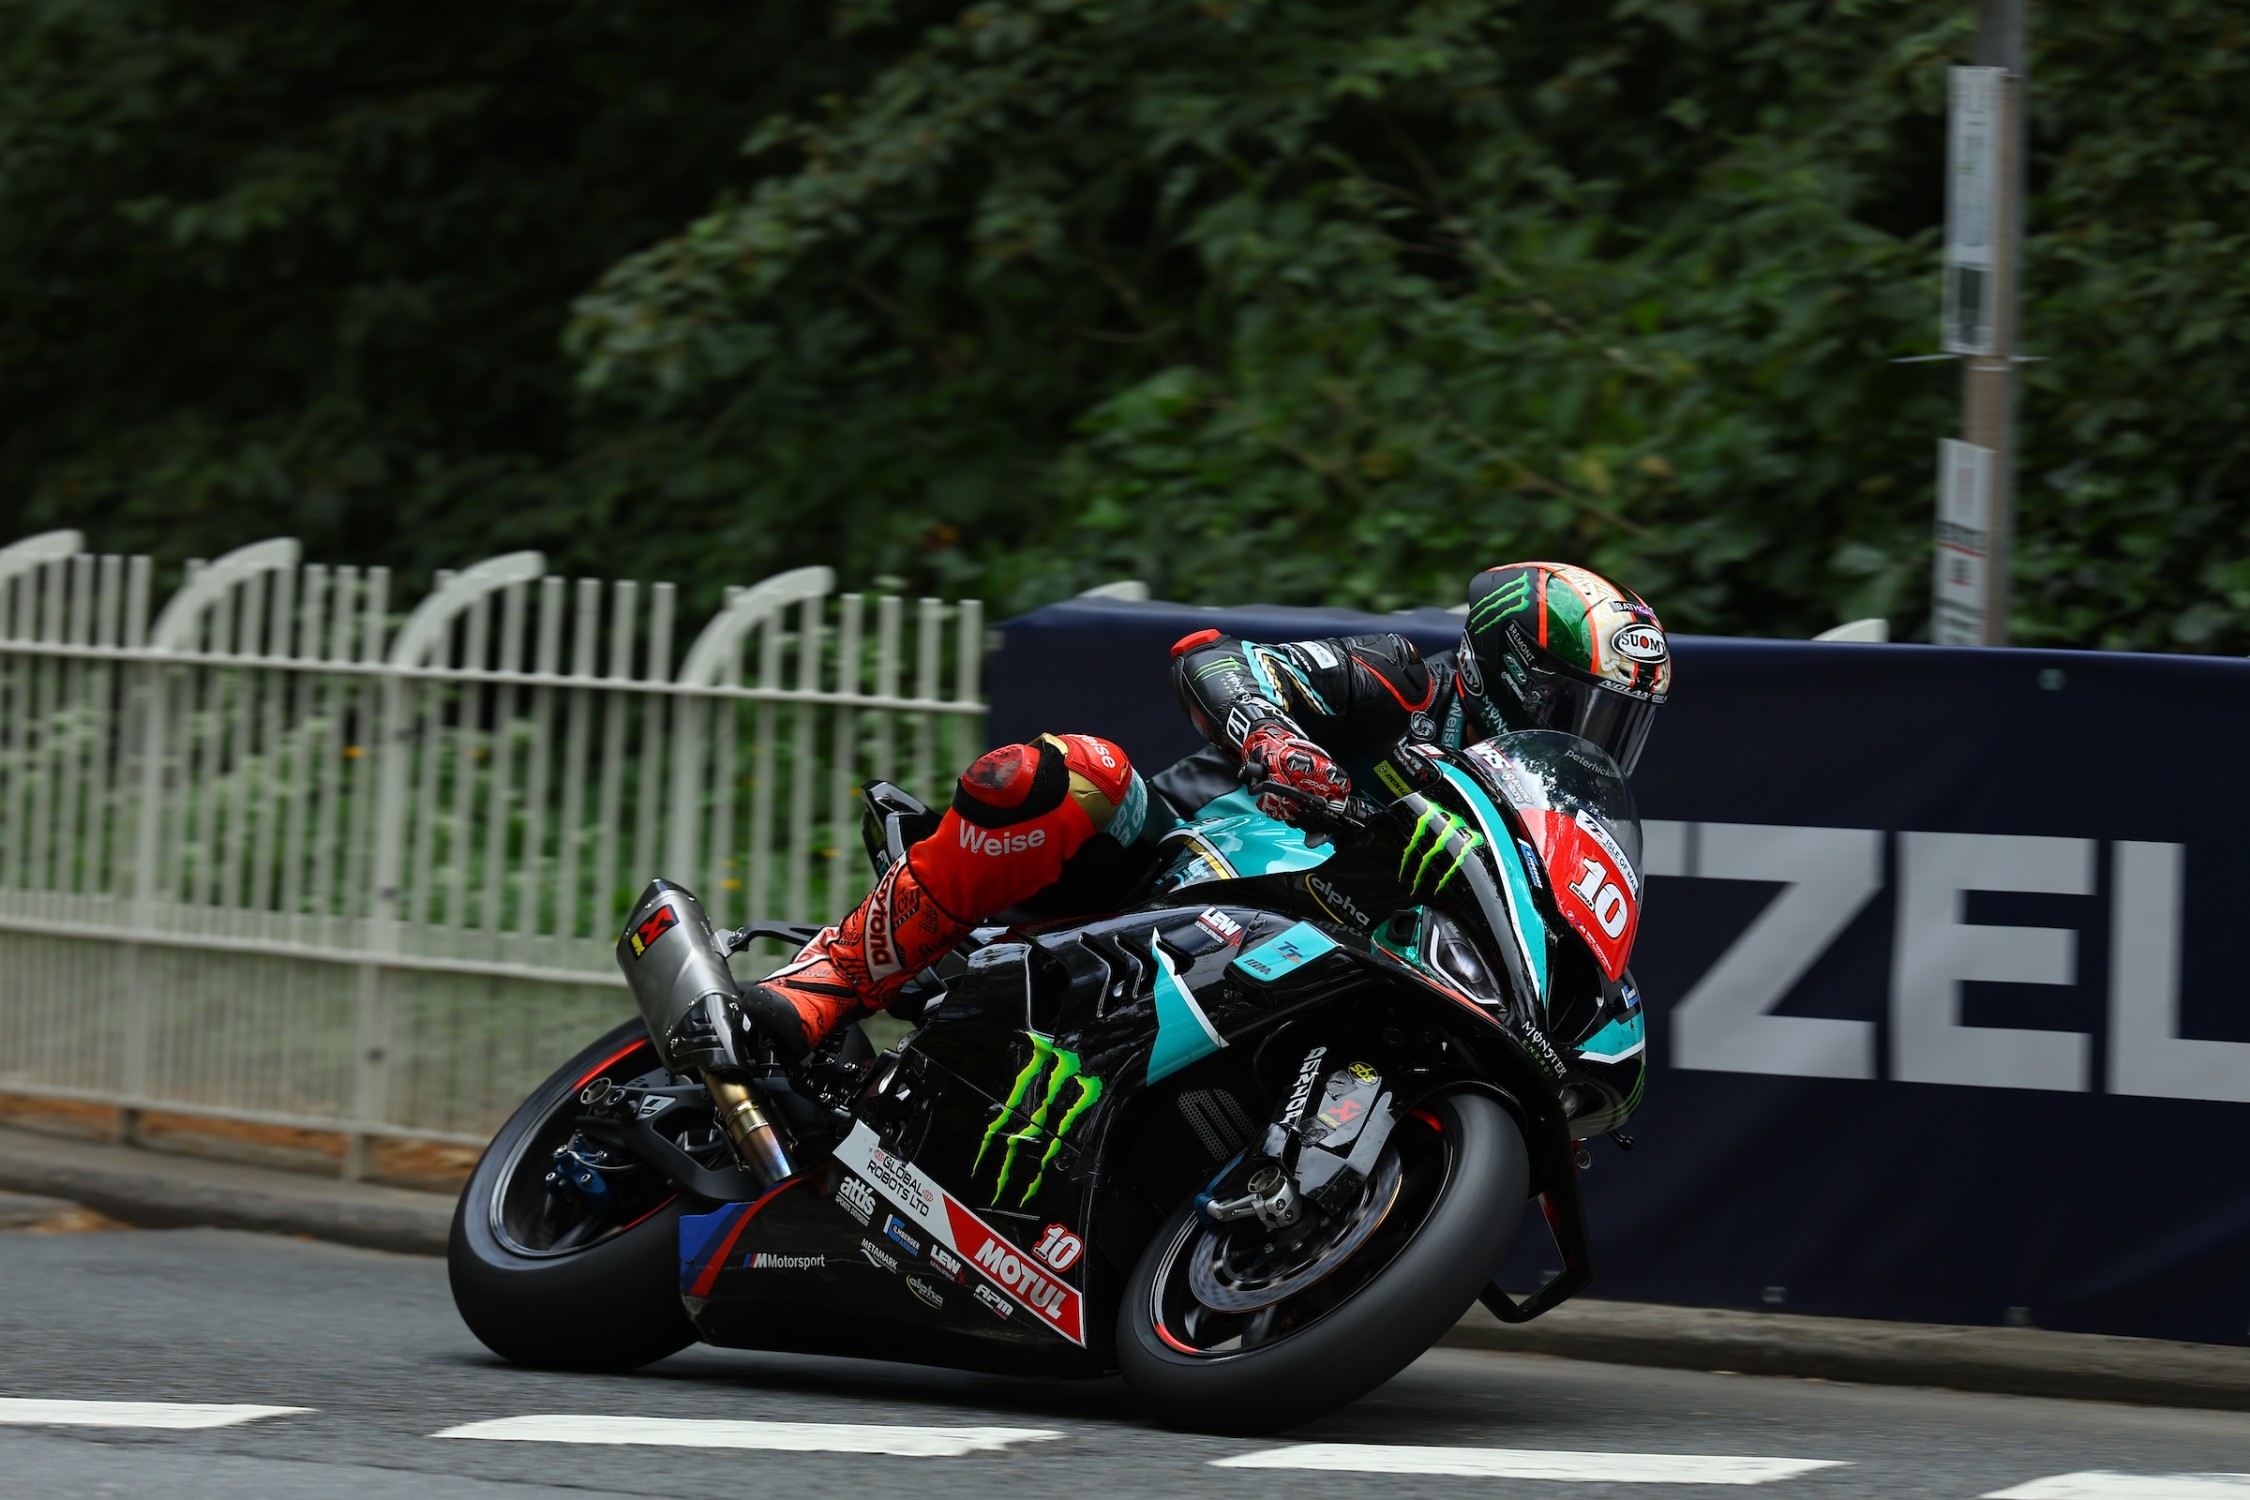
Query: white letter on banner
x,y
1934,951
2147,1054
1828,875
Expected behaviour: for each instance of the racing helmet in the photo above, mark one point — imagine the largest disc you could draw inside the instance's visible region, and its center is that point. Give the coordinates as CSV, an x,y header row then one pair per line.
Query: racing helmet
x,y
1552,646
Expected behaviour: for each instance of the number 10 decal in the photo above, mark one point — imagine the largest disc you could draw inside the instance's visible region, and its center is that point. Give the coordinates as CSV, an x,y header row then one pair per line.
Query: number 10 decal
x,y
1603,905
1602,898
1059,1248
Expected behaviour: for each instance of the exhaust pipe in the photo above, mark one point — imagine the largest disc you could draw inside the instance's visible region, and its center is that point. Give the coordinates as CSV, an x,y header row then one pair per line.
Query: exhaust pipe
x,y
673,964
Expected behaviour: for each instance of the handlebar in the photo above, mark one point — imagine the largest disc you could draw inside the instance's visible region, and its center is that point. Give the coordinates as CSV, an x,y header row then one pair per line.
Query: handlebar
x,y
1313,813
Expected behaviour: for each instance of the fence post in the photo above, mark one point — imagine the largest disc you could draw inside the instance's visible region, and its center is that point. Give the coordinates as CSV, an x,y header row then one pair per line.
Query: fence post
x,y
176,628
706,663
423,636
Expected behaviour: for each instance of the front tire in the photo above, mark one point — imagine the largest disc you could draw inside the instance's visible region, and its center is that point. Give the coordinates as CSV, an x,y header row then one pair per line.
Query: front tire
x,y
1195,1367
609,1300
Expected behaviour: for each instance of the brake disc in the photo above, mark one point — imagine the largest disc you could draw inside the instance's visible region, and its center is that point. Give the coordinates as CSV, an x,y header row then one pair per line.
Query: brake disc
x,y
1244,1266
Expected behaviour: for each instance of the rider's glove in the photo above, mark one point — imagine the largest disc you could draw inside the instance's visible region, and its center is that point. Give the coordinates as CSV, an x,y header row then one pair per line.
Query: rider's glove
x,y
1297,763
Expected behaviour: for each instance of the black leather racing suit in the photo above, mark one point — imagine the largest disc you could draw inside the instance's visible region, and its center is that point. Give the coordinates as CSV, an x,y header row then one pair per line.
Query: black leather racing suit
x,y
1355,696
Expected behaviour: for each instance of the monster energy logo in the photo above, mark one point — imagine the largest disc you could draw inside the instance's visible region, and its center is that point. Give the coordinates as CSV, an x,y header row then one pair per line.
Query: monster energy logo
x,y
1051,1067
1502,602
1448,834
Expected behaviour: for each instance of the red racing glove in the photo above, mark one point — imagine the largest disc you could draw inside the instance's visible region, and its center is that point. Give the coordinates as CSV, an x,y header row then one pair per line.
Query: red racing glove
x,y
1297,763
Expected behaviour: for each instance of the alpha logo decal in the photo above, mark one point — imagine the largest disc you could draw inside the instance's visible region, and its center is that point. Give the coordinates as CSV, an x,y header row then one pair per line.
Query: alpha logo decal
x,y
857,1198
924,1292
897,1233
659,922
981,841
1050,1071
1642,643
1338,905
1058,1247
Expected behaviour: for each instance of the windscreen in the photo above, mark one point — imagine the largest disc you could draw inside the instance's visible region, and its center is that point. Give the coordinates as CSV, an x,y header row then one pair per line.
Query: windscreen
x,y
1580,812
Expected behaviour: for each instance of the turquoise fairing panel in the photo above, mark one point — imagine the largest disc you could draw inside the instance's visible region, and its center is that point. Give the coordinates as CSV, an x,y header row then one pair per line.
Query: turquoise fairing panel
x,y
1251,844
1531,929
1184,1034
1617,1041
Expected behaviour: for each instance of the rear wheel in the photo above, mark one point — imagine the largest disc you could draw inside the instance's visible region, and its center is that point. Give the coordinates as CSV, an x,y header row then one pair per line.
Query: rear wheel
x,y
568,1277
1233,1328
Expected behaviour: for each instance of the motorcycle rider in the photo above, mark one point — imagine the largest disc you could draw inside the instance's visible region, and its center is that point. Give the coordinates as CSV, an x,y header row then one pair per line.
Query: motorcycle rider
x,y
1544,645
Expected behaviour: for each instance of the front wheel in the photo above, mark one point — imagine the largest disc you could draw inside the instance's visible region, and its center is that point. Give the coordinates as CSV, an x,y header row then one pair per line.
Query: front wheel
x,y
1224,1330
564,1277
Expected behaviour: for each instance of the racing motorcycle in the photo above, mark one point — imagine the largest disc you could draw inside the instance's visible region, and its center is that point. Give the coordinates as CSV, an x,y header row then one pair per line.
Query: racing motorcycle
x,y
1256,1142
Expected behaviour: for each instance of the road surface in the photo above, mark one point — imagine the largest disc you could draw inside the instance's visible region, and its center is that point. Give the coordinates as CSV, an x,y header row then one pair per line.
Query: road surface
x,y
196,1363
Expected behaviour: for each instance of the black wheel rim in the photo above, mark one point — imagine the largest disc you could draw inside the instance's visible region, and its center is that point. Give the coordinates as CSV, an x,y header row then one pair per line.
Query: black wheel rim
x,y
531,1219
1423,1155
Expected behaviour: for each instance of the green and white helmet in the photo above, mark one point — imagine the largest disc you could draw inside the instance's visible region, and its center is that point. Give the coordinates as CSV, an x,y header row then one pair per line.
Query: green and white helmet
x,y
1552,646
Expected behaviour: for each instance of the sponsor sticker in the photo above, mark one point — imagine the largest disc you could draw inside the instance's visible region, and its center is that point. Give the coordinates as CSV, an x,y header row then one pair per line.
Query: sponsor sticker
x,y
659,922
924,1292
953,1225
1387,774
946,1263
878,1256
763,1260
1641,643
999,1306
1058,1247
857,1198
898,1235
1221,926
1291,951
1338,905
1308,1074
1320,654
903,1184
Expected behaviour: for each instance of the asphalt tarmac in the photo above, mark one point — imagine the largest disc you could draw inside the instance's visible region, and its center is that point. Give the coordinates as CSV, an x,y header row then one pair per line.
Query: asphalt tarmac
x,y
363,1352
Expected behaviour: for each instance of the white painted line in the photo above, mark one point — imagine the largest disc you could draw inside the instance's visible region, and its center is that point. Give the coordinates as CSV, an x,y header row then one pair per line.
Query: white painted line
x,y
1532,1463
171,1416
784,1437
2099,1484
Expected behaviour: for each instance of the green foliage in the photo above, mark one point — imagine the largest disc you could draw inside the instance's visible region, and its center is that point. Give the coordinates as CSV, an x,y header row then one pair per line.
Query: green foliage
x,y
1298,300
303,268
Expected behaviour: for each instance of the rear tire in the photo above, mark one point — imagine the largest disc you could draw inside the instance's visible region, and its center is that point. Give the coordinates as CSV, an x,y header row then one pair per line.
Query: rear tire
x,y
1348,1349
614,1305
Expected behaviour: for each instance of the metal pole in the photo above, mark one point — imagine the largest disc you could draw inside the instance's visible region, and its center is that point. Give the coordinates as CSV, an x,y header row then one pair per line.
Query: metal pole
x,y
1988,382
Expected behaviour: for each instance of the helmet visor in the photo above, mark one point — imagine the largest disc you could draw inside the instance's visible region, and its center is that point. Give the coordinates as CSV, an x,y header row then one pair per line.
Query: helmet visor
x,y
1615,721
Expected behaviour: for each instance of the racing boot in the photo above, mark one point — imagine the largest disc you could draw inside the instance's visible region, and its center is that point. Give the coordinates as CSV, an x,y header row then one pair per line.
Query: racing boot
x,y
855,967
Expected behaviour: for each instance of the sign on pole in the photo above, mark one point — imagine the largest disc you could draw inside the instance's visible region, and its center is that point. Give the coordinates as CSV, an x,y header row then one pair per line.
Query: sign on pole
x,y
1975,161
1958,599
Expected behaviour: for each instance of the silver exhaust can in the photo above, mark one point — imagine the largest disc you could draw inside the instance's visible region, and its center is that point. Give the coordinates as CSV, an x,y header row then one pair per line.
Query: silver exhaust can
x,y
671,959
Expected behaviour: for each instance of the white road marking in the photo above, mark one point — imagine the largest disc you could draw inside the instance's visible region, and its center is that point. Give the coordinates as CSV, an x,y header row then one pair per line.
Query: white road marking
x,y
2100,1484
1532,1463
788,1437
172,1416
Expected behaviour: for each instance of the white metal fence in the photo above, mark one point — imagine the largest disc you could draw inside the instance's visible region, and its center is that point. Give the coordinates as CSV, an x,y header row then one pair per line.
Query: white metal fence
x,y
278,851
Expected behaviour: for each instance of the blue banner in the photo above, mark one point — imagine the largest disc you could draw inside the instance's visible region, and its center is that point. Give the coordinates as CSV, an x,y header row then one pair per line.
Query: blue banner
x,y
1946,1017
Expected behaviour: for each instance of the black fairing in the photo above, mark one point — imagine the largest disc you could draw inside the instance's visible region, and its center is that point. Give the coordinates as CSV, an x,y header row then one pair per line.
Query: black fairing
x,y
1024,1105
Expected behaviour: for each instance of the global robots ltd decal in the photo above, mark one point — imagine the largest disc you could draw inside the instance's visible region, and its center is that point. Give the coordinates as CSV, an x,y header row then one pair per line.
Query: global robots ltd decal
x,y
966,1238
1051,1070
